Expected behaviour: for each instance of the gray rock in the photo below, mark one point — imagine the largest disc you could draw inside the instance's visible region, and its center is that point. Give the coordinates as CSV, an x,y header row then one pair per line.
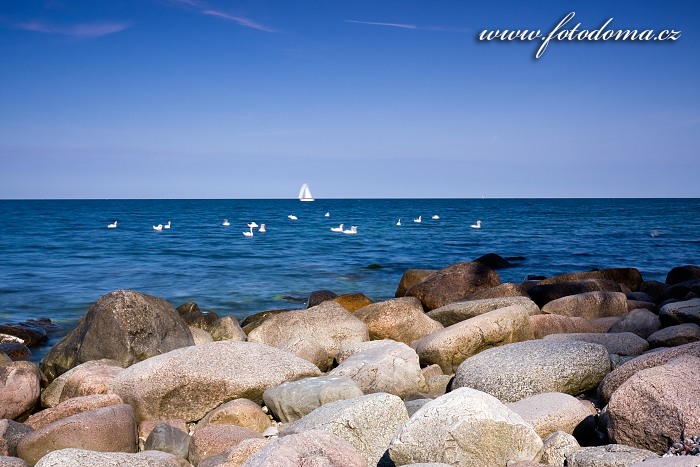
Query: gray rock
x,y
621,343
516,371
550,412
642,322
412,406
611,455
673,461
315,334
557,447
123,325
687,311
465,427
392,368
166,438
400,319
107,429
292,400
589,305
368,422
87,458
187,383
311,448
7,461
454,344
10,434
673,336
460,311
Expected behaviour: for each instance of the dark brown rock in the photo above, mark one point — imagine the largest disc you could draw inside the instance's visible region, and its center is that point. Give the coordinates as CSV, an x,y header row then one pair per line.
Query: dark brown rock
x,y
195,317
123,325
31,334
16,351
318,296
493,261
253,321
453,283
505,290
630,277
410,278
682,274
545,292
654,289
353,301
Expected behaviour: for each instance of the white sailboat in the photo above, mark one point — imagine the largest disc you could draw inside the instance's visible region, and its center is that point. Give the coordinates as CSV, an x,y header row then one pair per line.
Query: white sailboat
x,y
305,193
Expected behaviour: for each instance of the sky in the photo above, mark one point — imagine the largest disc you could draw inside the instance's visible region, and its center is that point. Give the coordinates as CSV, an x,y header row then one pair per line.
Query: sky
x,y
360,99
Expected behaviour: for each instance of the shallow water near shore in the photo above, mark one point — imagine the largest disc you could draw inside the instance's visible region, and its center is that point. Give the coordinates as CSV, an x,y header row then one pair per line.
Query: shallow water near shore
x,y
59,257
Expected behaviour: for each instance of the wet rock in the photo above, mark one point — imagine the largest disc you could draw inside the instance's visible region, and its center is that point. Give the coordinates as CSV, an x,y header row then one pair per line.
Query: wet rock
x,y
292,400
622,343
16,351
493,261
187,383
454,344
319,296
314,447
589,305
239,412
462,310
195,317
516,371
465,427
401,319
353,301
166,438
681,291
630,277
544,292
412,277
20,386
453,283
641,322
253,321
123,325
673,336
29,331
682,274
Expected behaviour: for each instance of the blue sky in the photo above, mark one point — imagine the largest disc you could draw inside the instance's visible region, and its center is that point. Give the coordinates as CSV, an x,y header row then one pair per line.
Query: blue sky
x,y
248,99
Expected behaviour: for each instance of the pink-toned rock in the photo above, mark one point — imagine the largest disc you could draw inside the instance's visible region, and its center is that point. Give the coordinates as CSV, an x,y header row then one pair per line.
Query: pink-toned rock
x,y
400,319
653,408
89,380
616,378
103,370
602,325
589,305
453,283
507,289
543,325
673,336
20,385
240,412
214,439
315,334
315,447
72,407
235,456
106,429
454,344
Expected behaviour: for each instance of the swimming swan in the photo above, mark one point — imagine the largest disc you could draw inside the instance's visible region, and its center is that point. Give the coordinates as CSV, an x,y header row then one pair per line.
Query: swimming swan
x,y
328,214
226,223
112,226
337,229
262,228
436,217
292,217
398,222
167,226
351,231
420,218
476,226
158,227
252,225
249,233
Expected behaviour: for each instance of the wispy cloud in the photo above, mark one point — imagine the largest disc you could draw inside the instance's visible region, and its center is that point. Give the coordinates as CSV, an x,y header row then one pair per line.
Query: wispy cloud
x,y
392,25
74,30
240,20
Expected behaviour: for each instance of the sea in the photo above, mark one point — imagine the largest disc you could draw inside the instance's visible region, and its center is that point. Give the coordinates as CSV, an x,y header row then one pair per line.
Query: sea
x,y
58,257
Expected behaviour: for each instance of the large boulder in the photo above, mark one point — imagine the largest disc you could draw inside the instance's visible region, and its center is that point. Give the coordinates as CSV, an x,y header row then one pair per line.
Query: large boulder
x,y
687,311
311,448
392,368
453,283
401,319
412,277
97,373
611,455
368,422
20,386
682,274
630,277
640,321
656,406
544,292
292,400
107,429
621,343
544,325
315,334
675,335
88,458
589,305
460,311
451,346
516,371
71,407
123,325
507,289
465,427
649,360
187,383
550,412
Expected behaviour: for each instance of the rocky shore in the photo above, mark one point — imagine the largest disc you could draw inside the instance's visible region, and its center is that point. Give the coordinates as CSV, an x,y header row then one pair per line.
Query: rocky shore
x,y
595,368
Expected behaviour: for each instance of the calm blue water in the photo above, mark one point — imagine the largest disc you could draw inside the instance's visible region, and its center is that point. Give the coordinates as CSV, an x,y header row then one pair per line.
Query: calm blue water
x,y
58,257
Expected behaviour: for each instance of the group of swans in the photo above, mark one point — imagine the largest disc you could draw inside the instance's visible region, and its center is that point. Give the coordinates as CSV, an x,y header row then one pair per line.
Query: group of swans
x,y
251,226
351,231
160,227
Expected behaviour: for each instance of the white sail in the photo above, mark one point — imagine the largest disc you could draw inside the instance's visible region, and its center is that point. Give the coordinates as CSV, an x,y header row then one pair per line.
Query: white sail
x,y
305,193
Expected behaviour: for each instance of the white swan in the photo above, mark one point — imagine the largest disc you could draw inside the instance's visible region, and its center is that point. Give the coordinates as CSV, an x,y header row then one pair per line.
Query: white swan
x,y
351,231
398,222
226,223
476,226
292,217
158,227
252,225
420,218
112,226
436,217
337,229
167,226
328,214
249,233
262,228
